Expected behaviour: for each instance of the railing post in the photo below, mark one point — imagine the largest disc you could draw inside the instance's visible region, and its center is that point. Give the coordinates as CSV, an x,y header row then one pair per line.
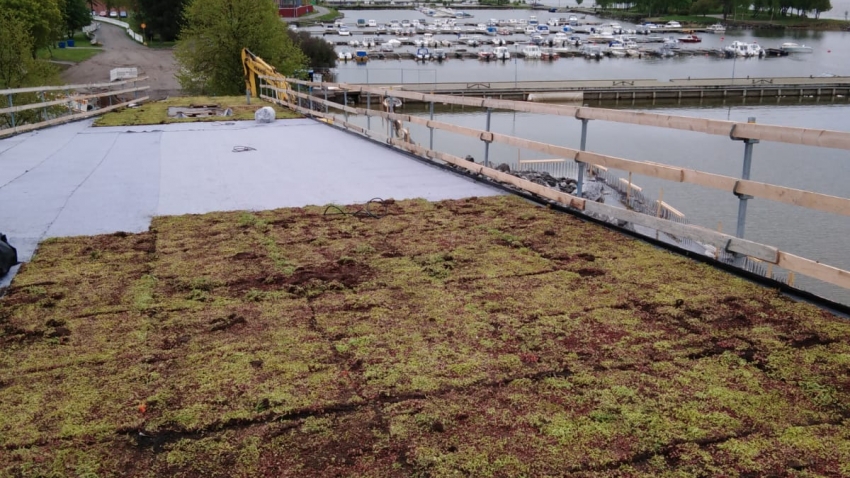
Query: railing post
x,y
745,174
487,143
582,147
345,102
43,109
299,94
12,114
368,109
431,140
310,96
326,99
135,93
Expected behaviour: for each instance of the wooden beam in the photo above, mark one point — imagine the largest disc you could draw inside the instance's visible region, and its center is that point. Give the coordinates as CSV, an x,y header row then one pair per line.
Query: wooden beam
x,y
797,197
65,101
35,89
814,269
631,185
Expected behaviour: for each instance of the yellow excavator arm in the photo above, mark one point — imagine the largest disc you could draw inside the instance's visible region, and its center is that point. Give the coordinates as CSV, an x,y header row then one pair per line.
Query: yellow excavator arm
x,y
254,67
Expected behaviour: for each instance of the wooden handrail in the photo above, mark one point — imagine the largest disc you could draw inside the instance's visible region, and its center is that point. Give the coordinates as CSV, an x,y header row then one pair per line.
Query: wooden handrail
x,y
740,130
66,119
35,106
796,197
35,89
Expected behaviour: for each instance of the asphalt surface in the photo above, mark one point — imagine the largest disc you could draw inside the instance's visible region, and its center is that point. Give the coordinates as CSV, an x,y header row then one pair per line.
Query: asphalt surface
x,y
121,51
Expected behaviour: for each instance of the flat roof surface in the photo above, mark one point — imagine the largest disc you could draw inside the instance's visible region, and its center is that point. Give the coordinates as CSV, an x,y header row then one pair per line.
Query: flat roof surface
x,y
77,179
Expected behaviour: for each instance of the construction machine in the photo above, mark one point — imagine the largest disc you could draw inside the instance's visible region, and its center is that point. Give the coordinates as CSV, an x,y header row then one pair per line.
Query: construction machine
x,y
254,67
8,255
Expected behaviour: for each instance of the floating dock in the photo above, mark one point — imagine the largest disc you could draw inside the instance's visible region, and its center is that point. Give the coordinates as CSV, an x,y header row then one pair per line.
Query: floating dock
x,y
679,88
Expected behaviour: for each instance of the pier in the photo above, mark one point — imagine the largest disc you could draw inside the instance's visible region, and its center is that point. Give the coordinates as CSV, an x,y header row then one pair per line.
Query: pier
x,y
636,89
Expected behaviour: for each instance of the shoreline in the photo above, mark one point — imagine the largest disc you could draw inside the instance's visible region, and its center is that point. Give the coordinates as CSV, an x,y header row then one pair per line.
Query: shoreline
x,y
804,24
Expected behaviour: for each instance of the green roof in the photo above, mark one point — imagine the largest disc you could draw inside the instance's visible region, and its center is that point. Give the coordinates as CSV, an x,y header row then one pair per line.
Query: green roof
x,y
479,337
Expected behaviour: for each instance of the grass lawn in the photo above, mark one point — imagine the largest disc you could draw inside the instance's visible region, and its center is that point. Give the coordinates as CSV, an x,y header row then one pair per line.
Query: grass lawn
x,y
75,54
157,112
477,337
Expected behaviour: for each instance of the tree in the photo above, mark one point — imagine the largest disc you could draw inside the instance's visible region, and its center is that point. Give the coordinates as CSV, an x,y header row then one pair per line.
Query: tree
x,y
19,69
75,14
320,53
214,33
43,19
162,17
579,2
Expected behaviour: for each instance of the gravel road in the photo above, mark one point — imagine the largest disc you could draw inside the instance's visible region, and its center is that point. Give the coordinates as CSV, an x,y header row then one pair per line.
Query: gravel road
x,y
121,51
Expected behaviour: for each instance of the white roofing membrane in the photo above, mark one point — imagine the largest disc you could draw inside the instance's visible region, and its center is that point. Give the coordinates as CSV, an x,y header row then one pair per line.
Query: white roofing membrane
x,y
76,179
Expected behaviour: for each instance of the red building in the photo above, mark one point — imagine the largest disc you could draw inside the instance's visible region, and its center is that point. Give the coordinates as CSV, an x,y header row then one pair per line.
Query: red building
x,y
293,8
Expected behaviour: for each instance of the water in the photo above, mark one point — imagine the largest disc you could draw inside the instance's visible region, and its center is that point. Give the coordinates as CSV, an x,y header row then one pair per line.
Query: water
x,y
811,234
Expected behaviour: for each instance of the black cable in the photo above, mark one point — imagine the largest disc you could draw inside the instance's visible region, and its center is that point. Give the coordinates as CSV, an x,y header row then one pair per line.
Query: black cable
x,y
242,149
365,211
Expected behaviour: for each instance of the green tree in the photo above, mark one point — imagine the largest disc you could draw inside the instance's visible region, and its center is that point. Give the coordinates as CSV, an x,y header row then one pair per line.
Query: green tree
x,y
162,17
320,53
214,33
19,69
43,19
579,2
76,15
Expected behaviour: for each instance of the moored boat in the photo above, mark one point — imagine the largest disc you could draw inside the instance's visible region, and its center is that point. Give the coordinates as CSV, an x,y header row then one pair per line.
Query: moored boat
x,y
690,39
716,28
790,47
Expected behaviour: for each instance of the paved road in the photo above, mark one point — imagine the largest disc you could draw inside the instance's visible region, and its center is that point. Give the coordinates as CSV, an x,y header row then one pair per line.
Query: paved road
x,y
121,51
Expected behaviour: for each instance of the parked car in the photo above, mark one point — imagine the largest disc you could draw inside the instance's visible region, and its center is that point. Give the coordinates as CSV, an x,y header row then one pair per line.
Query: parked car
x,y
122,14
103,13
113,14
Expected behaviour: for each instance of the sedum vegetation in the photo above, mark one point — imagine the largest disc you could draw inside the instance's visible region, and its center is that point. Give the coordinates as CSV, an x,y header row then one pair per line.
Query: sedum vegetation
x,y
479,337
157,112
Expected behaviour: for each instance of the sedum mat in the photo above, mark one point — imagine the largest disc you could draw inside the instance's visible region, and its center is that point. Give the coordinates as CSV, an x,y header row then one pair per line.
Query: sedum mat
x,y
477,337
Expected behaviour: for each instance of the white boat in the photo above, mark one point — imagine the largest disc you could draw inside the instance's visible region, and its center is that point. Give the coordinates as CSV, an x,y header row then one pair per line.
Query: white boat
x,y
573,20
439,55
354,43
486,55
739,48
616,27
532,20
673,24
372,24
462,14
795,48
393,43
603,35
405,24
671,42
592,52
553,22
531,52
502,53
716,28
392,102
542,29
560,38
344,55
549,54
616,48
422,54
499,42
344,32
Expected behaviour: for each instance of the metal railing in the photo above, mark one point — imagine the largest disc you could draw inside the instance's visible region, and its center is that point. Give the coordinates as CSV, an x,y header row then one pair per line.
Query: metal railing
x,y
734,249
41,106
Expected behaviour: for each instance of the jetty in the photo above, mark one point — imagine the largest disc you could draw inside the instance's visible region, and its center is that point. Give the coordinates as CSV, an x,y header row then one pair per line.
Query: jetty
x,y
632,89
